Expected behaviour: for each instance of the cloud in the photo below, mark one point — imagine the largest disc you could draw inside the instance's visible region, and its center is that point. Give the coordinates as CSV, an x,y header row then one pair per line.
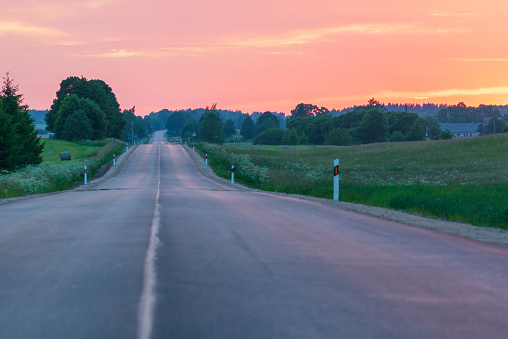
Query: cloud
x,y
18,28
300,37
480,59
122,53
477,91
450,14
56,9
424,95
444,93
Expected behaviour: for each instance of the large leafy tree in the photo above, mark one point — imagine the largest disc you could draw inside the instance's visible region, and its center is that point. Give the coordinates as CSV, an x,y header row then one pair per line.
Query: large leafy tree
x,y
134,124
110,106
374,126
494,126
339,137
211,126
265,122
73,104
98,92
78,126
175,123
19,144
308,110
189,129
417,131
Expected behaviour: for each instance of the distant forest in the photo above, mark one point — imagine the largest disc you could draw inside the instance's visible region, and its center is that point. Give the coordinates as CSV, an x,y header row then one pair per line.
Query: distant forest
x,y
155,121
424,110
38,116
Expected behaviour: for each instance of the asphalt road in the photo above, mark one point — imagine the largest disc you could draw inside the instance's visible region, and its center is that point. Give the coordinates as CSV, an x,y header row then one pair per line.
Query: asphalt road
x,y
160,251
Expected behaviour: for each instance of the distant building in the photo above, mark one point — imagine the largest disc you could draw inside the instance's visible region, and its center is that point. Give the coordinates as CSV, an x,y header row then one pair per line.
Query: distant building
x,y
462,130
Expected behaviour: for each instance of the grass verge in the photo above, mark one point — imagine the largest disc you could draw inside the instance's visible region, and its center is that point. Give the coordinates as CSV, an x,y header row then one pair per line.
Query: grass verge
x,y
55,175
463,179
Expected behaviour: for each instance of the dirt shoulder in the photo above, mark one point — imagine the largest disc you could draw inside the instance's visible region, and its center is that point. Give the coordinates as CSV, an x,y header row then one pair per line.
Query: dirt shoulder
x,y
495,236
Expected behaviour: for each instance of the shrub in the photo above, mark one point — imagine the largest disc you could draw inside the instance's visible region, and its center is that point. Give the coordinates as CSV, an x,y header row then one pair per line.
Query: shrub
x,y
397,137
339,137
272,136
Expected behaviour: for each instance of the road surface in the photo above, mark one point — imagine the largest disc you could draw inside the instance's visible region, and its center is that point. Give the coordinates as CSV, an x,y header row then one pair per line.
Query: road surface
x,y
159,251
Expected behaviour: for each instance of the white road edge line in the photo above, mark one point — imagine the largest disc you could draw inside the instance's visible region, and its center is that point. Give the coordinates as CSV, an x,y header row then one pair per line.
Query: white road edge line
x,y
148,297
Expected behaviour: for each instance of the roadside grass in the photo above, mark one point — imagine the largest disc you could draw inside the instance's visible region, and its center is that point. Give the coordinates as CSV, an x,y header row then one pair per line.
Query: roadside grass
x,y
53,174
461,179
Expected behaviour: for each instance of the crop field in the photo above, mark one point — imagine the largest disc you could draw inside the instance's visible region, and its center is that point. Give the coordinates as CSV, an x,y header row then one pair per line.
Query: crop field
x,y
54,174
462,179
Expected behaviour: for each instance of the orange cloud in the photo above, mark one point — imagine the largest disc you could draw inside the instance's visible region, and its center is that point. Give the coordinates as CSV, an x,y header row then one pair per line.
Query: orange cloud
x,y
18,28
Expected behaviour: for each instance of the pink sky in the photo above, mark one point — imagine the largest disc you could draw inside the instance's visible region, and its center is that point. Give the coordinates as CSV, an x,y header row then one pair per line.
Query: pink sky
x,y
260,55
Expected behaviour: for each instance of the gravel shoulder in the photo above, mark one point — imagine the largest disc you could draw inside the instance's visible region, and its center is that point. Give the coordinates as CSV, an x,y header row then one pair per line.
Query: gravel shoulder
x,y
494,236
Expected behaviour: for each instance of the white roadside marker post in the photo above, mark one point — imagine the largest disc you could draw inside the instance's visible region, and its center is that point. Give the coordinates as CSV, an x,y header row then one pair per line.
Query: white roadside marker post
x,y
206,160
86,176
232,174
114,160
193,147
336,180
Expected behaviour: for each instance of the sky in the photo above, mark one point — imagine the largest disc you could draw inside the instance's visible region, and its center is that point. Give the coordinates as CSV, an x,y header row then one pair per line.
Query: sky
x,y
263,55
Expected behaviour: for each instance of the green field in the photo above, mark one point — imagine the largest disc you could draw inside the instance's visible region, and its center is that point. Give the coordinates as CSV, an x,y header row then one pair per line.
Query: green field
x,y
54,174
81,150
461,179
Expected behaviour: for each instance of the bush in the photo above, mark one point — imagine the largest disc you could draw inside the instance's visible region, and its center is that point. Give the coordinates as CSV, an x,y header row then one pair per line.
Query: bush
x,y
397,137
272,136
446,134
303,139
339,137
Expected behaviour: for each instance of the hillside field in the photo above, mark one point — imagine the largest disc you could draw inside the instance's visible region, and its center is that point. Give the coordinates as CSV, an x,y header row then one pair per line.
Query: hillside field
x,y
54,174
79,150
461,179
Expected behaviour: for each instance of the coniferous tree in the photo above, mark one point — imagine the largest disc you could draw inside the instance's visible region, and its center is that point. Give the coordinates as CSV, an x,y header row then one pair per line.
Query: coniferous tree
x,y
247,130
20,145
229,128
8,141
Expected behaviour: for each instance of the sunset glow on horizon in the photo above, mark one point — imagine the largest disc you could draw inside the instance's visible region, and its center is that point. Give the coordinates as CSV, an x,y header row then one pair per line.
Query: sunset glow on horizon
x,y
259,56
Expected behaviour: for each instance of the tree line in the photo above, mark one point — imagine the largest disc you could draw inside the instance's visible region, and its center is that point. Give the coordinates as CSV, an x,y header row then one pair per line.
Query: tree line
x,y
375,123
365,124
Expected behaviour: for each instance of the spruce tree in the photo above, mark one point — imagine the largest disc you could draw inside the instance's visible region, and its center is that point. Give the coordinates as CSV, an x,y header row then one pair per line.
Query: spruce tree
x,y
247,130
21,146
8,141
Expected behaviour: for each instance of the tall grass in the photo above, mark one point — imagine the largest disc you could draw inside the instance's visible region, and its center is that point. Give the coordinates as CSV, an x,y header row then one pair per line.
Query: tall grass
x,y
462,179
50,176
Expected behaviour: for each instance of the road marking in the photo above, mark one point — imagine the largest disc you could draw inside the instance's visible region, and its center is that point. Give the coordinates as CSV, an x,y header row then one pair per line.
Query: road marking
x,y
148,296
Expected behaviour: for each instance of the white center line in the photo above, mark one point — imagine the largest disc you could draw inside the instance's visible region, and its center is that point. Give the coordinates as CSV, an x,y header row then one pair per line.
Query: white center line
x,y
148,297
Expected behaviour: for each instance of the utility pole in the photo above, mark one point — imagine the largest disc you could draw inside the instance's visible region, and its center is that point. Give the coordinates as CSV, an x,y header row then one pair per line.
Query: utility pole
x,y
132,124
